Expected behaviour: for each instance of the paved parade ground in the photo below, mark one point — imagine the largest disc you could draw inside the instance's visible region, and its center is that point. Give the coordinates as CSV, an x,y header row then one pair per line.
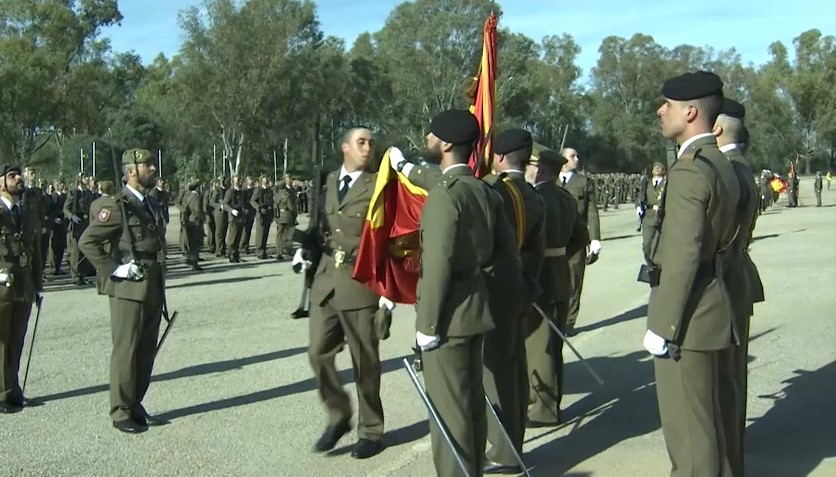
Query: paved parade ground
x,y
233,376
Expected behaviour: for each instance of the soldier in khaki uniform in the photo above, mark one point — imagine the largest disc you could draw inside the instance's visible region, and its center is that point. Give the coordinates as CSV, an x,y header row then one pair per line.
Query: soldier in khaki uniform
x,y
77,211
342,309
742,277
649,201
566,234
506,375
463,232
221,216
285,214
191,219
107,189
262,204
583,191
21,280
249,215
235,205
59,227
690,319
134,268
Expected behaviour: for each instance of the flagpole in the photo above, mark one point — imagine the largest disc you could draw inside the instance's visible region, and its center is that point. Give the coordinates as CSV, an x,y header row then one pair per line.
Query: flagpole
x,y
284,167
81,160
160,159
214,162
93,159
275,178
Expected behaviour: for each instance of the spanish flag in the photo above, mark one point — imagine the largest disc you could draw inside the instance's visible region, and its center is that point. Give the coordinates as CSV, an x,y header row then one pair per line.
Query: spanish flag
x,y
389,257
485,100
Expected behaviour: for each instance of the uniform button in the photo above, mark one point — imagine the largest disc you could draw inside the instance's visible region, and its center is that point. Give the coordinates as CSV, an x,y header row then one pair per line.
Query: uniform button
x,y
339,212
338,231
673,327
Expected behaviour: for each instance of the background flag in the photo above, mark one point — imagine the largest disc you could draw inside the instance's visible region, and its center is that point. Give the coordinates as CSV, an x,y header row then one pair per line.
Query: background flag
x,y
484,102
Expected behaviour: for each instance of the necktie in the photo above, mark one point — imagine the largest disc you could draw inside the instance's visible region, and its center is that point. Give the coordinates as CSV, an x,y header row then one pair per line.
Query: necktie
x,y
148,208
16,213
345,181
563,180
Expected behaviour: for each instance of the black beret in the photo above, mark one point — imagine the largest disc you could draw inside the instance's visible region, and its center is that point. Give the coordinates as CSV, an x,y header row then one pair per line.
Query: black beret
x,y
541,153
512,140
733,108
455,126
11,168
692,86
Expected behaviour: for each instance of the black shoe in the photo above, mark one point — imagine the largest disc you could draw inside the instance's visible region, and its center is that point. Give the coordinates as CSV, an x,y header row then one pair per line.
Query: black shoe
x,y
262,257
532,424
59,272
151,421
25,402
9,408
332,434
130,426
196,268
299,313
366,448
495,468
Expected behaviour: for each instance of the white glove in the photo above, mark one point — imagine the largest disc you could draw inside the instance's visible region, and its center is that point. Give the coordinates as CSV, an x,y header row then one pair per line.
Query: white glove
x,y
4,279
234,212
128,271
655,208
639,211
655,344
595,247
43,231
396,157
299,263
385,302
425,342
75,219
58,220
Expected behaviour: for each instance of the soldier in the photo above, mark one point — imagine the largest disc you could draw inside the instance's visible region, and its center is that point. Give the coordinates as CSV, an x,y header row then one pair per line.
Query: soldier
x,y
689,320
565,235
649,201
107,189
506,375
221,217
134,282
286,210
262,203
77,211
742,277
192,223
209,214
343,310
59,227
249,215
93,186
817,188
163,197
463,232
21,282
234,205
583,191
36,197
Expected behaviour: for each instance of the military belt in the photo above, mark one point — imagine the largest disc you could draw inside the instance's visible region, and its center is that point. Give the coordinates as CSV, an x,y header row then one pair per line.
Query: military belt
x,y
21,260
148,256
555,252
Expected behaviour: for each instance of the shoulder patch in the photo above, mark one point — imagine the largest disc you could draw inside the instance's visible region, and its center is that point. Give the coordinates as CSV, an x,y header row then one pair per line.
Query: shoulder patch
x,y
104,215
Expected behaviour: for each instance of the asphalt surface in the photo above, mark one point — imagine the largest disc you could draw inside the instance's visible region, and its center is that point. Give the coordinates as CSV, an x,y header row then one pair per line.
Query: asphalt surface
x,y
234,380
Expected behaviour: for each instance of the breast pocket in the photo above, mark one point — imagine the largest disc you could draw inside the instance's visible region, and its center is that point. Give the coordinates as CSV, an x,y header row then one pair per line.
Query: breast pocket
x,y
136,228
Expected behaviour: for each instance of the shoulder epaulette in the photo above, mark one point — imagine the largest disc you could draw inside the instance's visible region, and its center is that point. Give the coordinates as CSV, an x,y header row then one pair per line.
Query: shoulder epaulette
x,y
447,181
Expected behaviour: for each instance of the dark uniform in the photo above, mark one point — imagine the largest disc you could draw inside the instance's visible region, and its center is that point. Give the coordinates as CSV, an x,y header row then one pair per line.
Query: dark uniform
x,y
817,188
21,278
235,200
506,375
285,215
136,303
221,219
342,310
77,212
163,198
565,235
262,203
59,231
583,191
690,318
192,224
249,217
209,213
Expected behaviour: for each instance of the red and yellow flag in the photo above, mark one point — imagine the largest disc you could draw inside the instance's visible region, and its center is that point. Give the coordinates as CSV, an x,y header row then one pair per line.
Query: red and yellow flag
x,y
485,100
388,259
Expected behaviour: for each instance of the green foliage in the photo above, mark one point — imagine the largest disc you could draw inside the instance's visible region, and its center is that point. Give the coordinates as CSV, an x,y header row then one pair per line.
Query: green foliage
x,y
251,74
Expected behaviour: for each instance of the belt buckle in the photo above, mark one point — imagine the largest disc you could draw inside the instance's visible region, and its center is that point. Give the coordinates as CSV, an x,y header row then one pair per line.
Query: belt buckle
x,y
339,258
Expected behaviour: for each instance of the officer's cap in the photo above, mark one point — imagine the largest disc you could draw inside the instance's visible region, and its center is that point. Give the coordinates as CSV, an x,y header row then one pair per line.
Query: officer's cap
x,y
690,86
512,140
138,156
663,166
733,108
7,168
455,126
542,154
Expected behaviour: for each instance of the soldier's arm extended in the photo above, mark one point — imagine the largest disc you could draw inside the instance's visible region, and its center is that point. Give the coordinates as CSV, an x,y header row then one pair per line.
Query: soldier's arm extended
x,y
439,226
422,176
679,247
592,220
106,225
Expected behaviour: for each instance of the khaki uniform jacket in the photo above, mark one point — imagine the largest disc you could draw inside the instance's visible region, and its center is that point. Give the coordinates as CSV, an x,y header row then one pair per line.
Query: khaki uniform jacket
x,y
144,237
583,190
463,229
192,209
78,203
20,253
744,274
340,227
262,201
285,203
691,306
235,199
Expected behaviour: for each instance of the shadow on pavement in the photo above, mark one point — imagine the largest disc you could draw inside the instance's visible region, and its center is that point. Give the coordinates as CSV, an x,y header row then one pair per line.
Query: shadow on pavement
x,y
637,312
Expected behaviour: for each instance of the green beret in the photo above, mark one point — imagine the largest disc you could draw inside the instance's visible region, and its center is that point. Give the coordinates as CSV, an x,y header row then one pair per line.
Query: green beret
x,y
455,126
692,86
663,166
541,153
733,108
512,140
138,156
7,168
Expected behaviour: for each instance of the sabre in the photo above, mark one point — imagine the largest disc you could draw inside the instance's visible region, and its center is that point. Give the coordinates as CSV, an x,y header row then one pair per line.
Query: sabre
x,y
434,414
170,323
507,438
566,340
39,300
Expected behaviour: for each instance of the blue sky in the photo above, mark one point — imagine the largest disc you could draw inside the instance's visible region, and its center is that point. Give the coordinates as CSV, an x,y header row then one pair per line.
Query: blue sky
x,y
150,26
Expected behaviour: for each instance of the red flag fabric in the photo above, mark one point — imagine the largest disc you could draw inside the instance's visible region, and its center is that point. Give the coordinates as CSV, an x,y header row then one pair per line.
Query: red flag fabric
x,y
485,101
388,258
